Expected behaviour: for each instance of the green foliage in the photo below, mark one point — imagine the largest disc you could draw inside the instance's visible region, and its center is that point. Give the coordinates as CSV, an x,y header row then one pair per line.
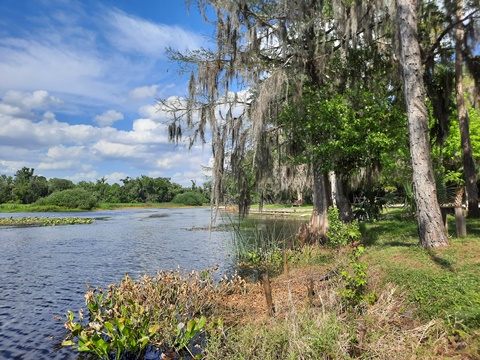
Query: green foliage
x,y
340,233
144,189
6,189
190,198
170,311
451,165
71,198
27,188
186,333
44,221
56,184
348,129
355,278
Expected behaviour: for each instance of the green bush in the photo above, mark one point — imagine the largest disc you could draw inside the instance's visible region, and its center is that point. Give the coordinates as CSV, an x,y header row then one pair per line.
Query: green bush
x,y
71,198
340,233
190,198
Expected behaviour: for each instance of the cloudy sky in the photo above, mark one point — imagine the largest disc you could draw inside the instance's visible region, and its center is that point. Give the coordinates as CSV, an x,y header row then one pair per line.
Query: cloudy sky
x,y
78,83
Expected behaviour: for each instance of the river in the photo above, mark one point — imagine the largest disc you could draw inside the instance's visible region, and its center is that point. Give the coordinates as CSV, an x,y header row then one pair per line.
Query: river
x,y
44,270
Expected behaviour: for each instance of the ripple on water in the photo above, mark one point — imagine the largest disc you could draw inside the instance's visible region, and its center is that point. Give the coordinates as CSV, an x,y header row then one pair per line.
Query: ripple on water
x,y
44,271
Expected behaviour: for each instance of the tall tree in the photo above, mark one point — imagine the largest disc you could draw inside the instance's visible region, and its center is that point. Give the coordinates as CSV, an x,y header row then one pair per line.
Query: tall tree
x,y
272,48
463,120
430,225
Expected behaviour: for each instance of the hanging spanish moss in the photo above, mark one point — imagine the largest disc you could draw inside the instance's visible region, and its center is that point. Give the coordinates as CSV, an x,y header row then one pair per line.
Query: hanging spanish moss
x,y
266,51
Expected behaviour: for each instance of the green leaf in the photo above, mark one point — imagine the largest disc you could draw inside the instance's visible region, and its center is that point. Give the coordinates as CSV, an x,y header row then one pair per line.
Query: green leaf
x,y
68,343
109,327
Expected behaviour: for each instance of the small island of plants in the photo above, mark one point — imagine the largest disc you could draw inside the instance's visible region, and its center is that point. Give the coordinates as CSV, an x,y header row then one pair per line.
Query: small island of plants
x,y
44,221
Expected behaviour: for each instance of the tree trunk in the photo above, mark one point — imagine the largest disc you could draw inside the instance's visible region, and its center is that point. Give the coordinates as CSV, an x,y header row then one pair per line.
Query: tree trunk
x,y
339,199
430,226
333,184
463,121
316,229
344,205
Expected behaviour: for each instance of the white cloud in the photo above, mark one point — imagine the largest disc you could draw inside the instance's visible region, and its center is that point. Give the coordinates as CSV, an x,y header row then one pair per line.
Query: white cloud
x,y
57,165
135,35
143,92
54,64
108,118
107,149
18,103
71,152
115,177
84,176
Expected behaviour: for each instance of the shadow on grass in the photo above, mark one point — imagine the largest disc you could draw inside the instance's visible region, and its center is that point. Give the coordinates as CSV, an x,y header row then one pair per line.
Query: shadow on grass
x,y
443,263
386,233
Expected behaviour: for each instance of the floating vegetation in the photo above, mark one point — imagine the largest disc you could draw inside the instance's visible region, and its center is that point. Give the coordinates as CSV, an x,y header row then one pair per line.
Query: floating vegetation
x,y
172,313
44,221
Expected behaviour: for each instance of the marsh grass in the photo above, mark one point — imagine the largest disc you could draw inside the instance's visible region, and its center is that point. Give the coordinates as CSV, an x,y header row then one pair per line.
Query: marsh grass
x,y
424,303
259,243
44,221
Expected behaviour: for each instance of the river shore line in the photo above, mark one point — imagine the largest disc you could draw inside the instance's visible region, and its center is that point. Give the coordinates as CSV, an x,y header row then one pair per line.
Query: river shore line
x,y
383,298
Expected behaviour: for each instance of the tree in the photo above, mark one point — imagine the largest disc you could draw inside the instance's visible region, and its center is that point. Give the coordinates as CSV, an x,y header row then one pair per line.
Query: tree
x,y
468,163
56,184
430,225
348,130
28,187
6,189
270,49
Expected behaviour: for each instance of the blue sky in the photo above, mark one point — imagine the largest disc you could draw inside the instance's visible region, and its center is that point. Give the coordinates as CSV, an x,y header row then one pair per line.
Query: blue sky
x,y
78,83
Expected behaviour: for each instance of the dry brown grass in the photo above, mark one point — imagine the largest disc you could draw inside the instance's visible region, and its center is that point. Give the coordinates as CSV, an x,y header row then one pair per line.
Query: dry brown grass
x,y
388,329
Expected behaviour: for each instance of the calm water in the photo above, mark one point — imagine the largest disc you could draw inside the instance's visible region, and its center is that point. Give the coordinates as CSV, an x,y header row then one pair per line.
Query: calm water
x,y
44,270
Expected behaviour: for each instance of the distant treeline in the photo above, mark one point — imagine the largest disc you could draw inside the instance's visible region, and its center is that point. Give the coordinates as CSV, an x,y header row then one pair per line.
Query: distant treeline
x,y
26,188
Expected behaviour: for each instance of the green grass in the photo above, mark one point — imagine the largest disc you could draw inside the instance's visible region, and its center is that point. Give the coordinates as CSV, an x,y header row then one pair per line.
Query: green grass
x,y
112,206
437,296
19,208
441,283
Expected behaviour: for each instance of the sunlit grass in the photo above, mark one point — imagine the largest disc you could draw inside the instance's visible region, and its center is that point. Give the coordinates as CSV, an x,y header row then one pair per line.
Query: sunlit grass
x,y
19,208
442,283
112,206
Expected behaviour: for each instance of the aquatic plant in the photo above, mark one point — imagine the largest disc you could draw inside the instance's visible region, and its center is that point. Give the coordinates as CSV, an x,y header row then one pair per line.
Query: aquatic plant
x,y
171,312
44,221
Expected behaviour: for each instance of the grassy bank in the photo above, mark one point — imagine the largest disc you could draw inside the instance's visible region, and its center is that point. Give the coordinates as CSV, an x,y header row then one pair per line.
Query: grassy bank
x,y
387,299
114,206
17,208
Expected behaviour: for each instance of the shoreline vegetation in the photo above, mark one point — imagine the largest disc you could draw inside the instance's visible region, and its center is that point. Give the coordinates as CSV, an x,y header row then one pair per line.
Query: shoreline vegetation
x,y
44,221
19,208
371,293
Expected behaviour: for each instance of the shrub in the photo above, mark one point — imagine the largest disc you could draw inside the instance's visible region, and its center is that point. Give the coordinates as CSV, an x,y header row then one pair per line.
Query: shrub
x,y
190,198
71,198
340,233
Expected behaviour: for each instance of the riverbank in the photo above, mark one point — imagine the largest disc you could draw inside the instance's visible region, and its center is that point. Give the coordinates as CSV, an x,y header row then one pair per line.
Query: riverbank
x,y
386,299
18,208
419,304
